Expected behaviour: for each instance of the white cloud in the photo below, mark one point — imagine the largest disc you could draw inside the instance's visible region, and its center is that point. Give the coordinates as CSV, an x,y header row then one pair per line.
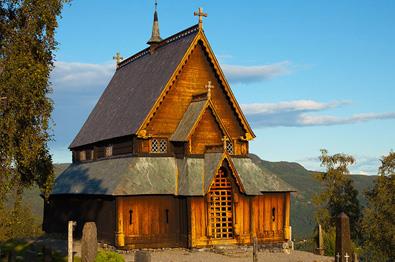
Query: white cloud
x,y
71,76
249,74
290,106
298,113
364,165
82,77
310,120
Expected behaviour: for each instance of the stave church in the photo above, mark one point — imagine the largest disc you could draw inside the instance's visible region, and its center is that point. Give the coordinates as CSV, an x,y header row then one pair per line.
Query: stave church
x,y
163,158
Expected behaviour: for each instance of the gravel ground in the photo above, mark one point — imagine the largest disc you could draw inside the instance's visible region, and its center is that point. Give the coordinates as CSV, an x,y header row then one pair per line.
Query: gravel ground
x,y
219,254
229,255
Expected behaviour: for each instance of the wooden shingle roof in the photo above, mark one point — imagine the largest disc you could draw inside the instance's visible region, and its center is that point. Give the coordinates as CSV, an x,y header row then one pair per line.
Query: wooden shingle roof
x,y
162,175
133,90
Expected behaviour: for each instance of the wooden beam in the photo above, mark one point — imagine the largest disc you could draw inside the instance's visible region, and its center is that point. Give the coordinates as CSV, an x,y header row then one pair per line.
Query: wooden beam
x,y
119,236
287,209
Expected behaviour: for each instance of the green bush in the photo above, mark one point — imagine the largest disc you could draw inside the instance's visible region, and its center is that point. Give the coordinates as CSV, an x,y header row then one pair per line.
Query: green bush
x,y
18,223
330,241
108,256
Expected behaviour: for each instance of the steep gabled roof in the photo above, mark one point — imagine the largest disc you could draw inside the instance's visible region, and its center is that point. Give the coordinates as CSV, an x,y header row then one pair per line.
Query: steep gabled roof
x,y
139,85
191,119
134,89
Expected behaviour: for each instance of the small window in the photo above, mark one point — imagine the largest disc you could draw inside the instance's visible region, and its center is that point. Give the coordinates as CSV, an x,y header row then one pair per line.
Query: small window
x,y
108,151
130,216
167,216
158,145
274,214
229,147
82,155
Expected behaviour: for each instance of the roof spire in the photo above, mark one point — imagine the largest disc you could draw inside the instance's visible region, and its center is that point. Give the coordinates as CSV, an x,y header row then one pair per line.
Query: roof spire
x,y
200,14
155,36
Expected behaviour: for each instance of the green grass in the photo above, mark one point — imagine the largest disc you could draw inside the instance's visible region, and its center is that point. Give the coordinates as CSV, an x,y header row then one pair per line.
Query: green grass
x,y
24,251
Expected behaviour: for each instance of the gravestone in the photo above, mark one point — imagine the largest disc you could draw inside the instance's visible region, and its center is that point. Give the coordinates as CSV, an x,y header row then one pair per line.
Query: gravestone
x,y
343,241
142,256
89,242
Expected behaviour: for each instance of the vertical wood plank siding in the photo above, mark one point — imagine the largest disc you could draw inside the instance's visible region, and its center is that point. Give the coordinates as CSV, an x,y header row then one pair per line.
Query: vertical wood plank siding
x,y
195,75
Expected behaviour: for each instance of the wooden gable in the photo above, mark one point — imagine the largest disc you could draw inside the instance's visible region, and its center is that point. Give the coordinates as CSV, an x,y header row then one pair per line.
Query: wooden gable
x,y
207,133
197,68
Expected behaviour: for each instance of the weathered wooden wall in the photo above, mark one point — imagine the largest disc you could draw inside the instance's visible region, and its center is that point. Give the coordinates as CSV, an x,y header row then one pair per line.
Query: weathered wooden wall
x,y
268,217
252,217
208,132
60,209
154,221
120,146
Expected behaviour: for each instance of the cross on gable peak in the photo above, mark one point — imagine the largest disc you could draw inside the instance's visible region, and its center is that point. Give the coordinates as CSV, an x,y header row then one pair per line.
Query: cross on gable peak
x,y
209,86
201,14
118,58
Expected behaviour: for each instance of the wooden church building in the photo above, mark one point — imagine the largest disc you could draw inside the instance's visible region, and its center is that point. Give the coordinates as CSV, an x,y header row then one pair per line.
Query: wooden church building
x,y
162,160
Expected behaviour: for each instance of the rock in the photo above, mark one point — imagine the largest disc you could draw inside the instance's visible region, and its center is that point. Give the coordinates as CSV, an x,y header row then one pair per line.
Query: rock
x,y
89,242
142,256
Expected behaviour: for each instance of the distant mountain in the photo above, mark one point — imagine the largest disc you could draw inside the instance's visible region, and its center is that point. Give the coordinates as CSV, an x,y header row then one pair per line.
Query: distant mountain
x,y
32,196
302,209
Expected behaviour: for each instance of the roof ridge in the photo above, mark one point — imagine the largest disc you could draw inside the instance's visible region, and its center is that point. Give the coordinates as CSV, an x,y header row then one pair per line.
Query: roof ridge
x,y
164,42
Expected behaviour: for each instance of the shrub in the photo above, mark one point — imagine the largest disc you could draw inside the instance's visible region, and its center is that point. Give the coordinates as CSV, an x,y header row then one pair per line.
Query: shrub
x,y
108,256
330,241
18,223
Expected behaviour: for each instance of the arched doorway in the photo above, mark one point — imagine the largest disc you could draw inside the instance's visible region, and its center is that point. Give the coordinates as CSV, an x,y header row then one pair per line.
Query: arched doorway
x,y
220,206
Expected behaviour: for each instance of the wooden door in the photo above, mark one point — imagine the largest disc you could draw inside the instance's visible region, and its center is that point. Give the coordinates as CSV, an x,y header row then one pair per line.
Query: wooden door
x,y
220,207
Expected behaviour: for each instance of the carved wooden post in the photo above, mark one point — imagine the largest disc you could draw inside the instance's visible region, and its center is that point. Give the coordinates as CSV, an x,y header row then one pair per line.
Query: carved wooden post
x,y
252,219
287,233
255,250
71,226
120,236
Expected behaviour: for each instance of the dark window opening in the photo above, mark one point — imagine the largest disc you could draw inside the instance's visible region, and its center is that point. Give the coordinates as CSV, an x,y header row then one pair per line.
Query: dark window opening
x,y
167,216
274,214
130,217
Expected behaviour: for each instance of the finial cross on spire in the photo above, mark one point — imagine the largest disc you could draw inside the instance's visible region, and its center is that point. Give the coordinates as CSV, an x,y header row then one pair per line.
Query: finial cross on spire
x,y
200,14
118,58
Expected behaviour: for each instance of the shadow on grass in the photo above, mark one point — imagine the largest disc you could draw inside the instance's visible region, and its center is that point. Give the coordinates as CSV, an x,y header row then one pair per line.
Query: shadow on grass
x,y
29,250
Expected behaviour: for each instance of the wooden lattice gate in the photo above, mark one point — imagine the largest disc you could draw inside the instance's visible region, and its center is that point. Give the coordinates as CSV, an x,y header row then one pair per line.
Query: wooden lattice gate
x,y
220,209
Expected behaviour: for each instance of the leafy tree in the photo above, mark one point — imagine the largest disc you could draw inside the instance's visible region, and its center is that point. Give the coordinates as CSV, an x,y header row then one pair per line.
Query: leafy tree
x,y
379,216
339,194
27,43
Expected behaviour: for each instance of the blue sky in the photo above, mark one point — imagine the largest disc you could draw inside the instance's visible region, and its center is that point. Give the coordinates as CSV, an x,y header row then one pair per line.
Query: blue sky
x,y
308,74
